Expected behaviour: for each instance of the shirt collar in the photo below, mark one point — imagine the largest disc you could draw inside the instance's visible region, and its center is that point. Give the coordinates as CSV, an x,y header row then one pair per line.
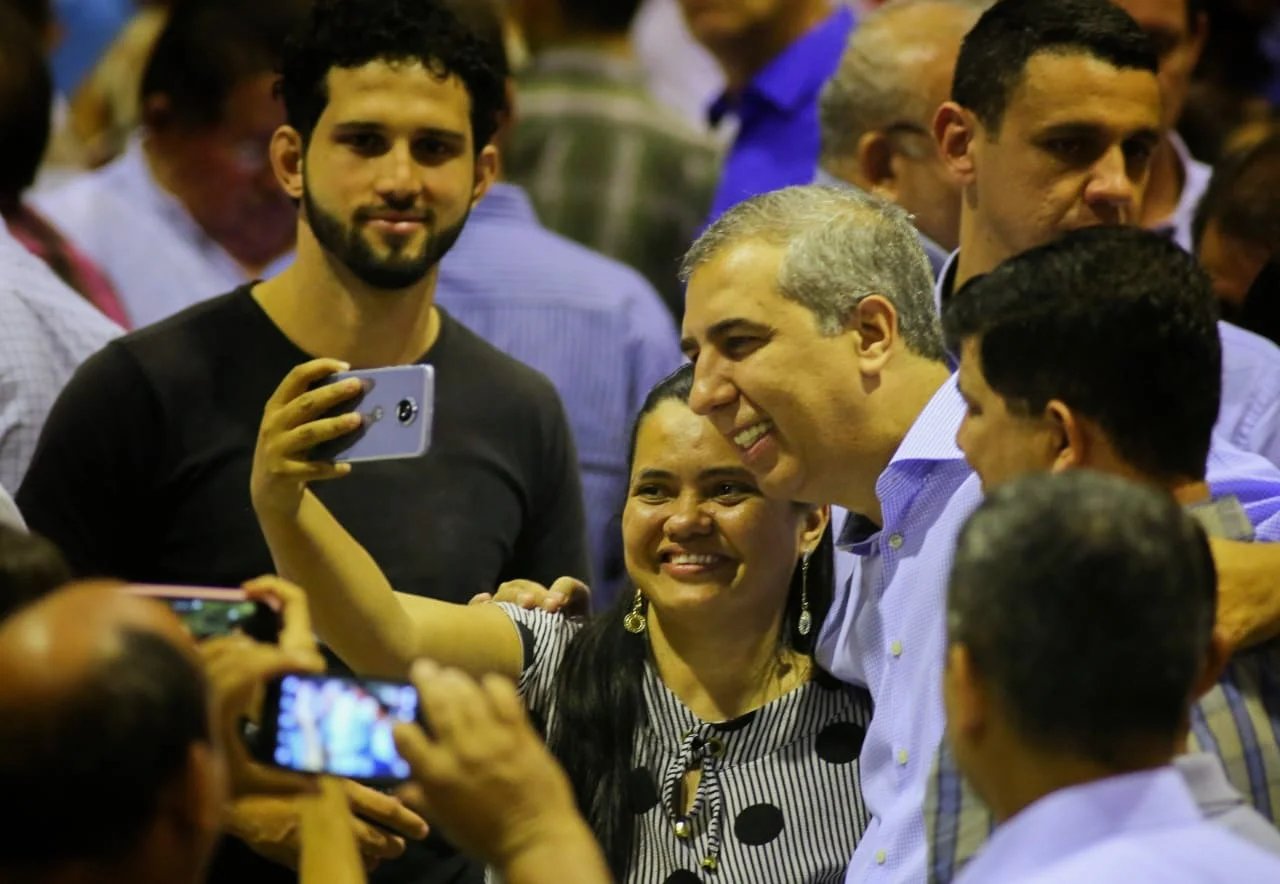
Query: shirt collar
x,y
931,439
1070,821
944,285
594,63
1207,781
507,202
137,174
1223,518
789,82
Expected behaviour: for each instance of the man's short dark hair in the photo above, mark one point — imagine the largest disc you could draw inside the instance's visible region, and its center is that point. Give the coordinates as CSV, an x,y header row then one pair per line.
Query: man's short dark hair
x,y
31,567
26,99
1116,322
208,47
1243,197
107,750
994,55
605,16
353,33
1087,606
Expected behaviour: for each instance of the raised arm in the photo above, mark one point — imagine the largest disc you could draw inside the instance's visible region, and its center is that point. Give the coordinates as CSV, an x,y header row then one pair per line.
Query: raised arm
x,y
353,606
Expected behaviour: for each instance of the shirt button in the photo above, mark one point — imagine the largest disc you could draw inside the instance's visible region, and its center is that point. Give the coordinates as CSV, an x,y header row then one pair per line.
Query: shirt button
x,y
881,856
902,757
895,541
896,649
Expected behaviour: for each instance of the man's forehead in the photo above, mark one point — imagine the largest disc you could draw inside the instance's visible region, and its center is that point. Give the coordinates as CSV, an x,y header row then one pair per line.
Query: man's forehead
x,y
737,281
1061,87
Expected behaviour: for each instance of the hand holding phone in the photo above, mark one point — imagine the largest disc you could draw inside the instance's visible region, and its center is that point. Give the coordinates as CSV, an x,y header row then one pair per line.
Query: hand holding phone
x,y
396,407
336,725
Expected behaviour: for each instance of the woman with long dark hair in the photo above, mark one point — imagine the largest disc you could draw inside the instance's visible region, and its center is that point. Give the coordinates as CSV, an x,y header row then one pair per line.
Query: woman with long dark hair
x,y
702,741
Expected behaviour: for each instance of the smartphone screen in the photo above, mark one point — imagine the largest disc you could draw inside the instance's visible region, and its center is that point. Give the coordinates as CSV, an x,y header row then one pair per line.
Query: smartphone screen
x,y
208,618
337,725
211,612
397,405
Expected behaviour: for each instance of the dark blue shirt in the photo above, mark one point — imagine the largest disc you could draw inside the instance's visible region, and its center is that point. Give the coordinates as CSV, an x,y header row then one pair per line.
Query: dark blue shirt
x,y
777,144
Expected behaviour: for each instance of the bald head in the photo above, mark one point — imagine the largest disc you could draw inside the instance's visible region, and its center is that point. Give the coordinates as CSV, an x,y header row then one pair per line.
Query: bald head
x,y
102,705
895,70
56,642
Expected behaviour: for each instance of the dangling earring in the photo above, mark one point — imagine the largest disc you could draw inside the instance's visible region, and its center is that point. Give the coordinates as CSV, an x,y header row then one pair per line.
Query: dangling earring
x,y
805,623
634,622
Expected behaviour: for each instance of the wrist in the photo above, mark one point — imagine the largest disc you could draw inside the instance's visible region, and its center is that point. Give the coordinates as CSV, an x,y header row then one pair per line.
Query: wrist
x,y
563,849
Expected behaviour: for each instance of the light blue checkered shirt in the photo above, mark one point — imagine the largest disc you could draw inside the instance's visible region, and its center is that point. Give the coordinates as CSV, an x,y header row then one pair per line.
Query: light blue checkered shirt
x,y
46,331
595,327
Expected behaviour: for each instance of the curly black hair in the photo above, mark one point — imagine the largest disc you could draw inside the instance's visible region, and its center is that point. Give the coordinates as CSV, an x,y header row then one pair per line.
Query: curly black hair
x,y
353,33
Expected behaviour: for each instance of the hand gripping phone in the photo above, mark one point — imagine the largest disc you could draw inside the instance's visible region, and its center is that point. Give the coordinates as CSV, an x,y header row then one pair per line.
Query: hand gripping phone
x,y
397,405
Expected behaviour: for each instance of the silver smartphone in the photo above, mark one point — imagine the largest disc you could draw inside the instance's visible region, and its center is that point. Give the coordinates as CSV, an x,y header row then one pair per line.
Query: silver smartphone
x,y
397,405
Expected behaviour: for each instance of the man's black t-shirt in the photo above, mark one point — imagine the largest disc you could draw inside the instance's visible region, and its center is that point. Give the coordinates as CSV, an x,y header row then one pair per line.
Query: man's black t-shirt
x,y
142,471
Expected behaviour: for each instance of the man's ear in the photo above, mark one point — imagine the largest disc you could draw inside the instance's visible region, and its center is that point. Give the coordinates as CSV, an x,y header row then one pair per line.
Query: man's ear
x,y
875,165
966,694
1069,439
956,130
156,112
874,322
487,162
1216,658
287,156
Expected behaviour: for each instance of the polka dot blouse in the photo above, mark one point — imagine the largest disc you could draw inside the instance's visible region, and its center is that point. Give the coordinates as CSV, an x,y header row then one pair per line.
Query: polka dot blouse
x,y
779,799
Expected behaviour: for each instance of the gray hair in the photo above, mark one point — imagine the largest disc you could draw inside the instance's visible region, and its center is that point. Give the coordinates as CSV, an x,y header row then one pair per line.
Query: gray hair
x,y
841,246
875,85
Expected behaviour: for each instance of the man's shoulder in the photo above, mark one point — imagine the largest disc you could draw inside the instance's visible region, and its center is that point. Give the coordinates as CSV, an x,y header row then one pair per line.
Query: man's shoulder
x,y
191,341
1242,348
1198,853
89,196
539,265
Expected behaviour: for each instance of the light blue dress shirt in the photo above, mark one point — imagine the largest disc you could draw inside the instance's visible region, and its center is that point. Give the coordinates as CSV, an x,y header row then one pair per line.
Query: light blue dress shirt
x,y
886,631
1195,181
595,327
1140,827
886,628
778,142
46,331
155,254
1249,418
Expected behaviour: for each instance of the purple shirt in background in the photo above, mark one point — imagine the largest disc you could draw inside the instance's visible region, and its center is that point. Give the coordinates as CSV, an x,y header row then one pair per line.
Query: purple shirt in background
x,y
1141,826
777,144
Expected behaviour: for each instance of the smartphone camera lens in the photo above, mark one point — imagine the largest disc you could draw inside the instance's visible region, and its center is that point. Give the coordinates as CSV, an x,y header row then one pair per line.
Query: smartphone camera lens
x,y
406,411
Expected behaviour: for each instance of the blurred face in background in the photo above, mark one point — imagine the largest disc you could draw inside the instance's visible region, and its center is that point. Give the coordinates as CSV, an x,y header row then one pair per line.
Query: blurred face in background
x,y
1178,41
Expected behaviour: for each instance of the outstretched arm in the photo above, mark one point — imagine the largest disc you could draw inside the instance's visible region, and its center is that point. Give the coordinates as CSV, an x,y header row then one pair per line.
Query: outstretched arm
x,y
353,606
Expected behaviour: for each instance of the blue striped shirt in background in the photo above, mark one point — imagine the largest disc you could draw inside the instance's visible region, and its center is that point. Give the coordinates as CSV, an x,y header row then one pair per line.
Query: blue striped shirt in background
x,y
595,327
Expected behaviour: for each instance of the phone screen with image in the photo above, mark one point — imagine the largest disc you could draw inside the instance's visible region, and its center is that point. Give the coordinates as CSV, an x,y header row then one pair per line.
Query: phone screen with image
x,y
339,726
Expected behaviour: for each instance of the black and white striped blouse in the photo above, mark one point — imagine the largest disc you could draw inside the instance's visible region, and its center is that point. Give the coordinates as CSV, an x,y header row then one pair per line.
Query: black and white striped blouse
x,y
779,801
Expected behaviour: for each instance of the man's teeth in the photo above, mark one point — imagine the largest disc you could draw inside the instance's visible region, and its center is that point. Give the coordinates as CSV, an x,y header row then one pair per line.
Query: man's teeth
x,y
748,437
690,559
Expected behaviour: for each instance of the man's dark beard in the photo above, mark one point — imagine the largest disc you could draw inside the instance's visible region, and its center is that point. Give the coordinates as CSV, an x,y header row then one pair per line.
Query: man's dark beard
x,y
395,272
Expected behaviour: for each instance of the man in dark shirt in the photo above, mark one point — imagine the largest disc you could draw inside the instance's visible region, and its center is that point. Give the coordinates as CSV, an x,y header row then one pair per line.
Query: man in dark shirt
x,y
142,472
